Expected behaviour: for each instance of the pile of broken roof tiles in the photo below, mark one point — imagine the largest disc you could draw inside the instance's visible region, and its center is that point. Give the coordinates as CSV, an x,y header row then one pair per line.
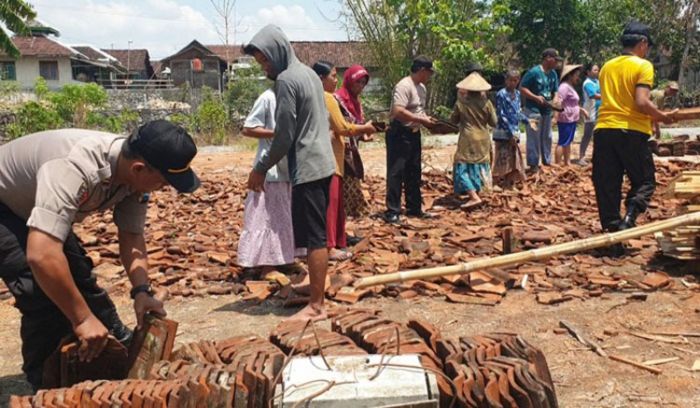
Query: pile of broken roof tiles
x,y
192,243
493,370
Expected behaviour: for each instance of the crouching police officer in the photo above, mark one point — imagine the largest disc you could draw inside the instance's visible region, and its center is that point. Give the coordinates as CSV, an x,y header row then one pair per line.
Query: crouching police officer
x,y
48,180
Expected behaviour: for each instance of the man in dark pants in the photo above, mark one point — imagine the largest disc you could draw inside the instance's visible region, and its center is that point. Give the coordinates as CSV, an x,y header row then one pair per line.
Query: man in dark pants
x,y
621,134
403,142
49,180
301,134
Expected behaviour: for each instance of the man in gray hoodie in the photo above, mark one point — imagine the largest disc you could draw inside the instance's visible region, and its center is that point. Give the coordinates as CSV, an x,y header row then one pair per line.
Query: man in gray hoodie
x,y
301,134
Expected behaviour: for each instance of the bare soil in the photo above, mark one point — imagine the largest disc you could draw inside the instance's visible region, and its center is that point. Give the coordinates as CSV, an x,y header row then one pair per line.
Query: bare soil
x,y
582,378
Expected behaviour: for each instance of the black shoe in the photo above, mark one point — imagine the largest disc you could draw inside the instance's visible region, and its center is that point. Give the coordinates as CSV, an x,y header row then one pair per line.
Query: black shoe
x,y
616,250
630,220
391,218
352,241
422,215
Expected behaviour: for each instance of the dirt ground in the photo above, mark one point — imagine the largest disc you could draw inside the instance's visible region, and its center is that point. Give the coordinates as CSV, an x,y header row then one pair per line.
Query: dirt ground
x,y
582,378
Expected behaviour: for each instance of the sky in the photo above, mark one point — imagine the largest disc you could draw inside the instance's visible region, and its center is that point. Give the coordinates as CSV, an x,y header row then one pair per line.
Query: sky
x,y
165,26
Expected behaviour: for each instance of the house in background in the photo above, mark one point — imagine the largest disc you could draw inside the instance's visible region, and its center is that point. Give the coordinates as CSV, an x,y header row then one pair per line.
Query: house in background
x,y
42,55
97,66
197,66
216,63
137,62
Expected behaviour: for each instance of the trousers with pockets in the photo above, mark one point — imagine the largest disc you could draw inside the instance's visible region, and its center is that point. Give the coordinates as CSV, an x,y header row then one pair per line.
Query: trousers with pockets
x,y
43,325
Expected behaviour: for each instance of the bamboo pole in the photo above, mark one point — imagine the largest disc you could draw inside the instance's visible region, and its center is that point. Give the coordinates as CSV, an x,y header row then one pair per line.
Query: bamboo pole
x,y
532,254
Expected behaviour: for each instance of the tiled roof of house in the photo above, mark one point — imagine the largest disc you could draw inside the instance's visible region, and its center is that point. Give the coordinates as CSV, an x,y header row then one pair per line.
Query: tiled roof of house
x,y
341,53
234,52
133,60
40,46
94,53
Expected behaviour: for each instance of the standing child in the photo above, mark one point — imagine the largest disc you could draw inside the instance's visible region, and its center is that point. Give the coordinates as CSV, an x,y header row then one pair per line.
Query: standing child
x,y
569,116
267,239
591,103
508,167
472,161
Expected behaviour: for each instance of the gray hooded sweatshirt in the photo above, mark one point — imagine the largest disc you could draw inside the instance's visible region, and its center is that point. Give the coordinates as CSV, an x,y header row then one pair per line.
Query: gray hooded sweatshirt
x,y
302,128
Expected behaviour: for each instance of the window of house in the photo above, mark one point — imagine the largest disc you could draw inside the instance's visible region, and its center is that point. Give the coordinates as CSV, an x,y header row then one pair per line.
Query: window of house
x,y
7,71
49,70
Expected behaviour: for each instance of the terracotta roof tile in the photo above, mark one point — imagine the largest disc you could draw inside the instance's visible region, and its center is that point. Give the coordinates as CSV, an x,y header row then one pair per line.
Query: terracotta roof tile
x,y
341,53
133,60
39,46
234,52
90,52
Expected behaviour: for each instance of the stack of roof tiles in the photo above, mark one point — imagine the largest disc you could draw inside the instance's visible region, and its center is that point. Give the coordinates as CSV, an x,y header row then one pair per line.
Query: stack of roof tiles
x,y
493,370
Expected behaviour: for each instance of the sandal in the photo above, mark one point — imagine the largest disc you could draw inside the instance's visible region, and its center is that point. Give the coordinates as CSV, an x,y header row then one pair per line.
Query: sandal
x,y
471,204
339,255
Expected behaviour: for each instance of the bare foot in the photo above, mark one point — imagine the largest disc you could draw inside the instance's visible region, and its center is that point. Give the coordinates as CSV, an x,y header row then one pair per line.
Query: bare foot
x,y
310,312
302,289
471,204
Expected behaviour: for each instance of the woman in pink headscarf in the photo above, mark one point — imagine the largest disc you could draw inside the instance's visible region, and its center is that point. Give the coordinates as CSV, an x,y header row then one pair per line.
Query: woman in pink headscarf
x,y
354,81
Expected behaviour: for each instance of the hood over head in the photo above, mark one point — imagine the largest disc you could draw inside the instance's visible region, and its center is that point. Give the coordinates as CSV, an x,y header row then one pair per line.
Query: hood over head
x,y
275,46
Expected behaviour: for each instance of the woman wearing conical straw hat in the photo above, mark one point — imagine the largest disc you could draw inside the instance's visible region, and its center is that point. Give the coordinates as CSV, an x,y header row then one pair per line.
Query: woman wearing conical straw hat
x,y
475,115
570,114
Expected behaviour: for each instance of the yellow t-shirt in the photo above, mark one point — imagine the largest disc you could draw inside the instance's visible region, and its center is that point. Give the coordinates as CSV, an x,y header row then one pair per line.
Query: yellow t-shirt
x,y
619,78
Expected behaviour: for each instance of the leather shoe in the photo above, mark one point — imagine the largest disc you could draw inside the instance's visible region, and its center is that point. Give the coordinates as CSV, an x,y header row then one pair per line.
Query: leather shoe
x,y
422,214
391,218
630,219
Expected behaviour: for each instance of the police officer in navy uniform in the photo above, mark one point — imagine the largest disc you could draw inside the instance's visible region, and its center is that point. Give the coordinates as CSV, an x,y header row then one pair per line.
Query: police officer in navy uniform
x,y
48,181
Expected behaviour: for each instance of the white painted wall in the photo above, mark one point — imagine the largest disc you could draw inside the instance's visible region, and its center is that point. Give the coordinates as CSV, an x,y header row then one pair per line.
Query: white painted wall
x,y
27,69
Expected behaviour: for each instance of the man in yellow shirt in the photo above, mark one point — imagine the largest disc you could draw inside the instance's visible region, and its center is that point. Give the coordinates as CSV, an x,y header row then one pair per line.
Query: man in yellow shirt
x,y
623,129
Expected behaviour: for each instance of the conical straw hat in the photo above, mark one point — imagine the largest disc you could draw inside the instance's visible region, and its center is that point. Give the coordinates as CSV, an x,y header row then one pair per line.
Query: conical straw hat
x,y
474,82
568,69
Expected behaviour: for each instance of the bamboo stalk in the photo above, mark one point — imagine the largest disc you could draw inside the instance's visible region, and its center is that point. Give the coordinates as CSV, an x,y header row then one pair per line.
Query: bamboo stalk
x,y
533,254
635,364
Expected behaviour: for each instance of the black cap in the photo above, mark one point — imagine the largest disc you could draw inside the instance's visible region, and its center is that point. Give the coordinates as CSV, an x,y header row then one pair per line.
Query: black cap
x,y
168,148
636,28
422,61
551,52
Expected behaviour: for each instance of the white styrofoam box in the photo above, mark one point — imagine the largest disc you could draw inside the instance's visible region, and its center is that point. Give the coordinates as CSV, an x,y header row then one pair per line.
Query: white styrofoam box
x,y
347,384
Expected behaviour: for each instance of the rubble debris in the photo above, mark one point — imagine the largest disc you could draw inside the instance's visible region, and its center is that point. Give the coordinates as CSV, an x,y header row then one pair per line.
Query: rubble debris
x,y
192,242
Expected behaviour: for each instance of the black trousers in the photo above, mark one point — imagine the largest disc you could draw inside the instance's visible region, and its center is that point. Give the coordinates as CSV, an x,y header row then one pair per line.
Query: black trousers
x,y
617,152
403,169
43,324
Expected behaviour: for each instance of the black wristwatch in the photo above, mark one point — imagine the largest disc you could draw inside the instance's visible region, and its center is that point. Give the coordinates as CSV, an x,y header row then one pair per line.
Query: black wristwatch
x,y
141,289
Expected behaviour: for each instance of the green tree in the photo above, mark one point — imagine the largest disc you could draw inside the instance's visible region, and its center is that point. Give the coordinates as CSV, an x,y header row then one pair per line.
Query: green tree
x,y
539,24
589,30
14,14
452,32
212,120
74,102
242,91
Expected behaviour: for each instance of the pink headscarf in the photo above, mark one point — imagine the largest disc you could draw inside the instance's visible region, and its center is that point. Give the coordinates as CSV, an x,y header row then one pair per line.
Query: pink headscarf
x,y
349,101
